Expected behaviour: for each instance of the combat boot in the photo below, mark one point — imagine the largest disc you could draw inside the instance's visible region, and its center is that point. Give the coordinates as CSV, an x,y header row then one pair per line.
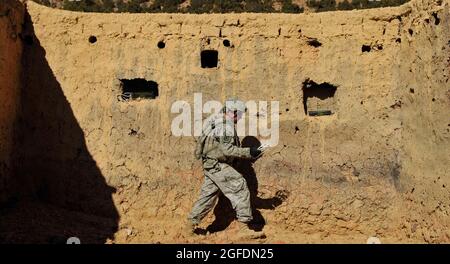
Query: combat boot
x,y
246,233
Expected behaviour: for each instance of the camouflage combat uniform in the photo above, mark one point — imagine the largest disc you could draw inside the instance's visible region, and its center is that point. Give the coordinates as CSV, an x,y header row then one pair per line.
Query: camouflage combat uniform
x,y
218,147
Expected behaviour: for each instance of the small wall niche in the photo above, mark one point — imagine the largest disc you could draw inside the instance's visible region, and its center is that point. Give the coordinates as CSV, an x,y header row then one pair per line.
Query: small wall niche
x,y
318,99
314,43
161,44
437,21
209,58
92,39
226,43
138,89
366,48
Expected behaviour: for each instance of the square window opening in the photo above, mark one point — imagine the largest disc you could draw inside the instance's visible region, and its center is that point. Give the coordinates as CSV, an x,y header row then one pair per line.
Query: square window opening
x,y
318,99
209,58
138,89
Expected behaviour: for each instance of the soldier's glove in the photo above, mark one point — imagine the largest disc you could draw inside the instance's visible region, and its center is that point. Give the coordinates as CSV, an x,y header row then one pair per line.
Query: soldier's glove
x,y
263,147
255,152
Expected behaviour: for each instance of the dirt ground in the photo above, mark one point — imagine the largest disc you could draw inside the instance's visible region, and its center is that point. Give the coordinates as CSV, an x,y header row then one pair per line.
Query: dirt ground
x,y
38,222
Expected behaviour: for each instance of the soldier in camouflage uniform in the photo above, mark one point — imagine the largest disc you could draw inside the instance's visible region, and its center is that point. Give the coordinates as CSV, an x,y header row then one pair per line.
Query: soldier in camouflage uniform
x,y
218,146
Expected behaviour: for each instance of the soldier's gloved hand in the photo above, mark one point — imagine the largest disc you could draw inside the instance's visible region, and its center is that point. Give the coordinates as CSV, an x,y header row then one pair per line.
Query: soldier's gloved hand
x,y
263,147
255,152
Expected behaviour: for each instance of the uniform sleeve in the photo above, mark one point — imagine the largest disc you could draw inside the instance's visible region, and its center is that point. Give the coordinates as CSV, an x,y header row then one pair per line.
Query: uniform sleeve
x,y
225,137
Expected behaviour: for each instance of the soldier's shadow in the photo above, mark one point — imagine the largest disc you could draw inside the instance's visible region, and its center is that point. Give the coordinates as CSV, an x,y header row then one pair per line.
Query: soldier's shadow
x,y
224,213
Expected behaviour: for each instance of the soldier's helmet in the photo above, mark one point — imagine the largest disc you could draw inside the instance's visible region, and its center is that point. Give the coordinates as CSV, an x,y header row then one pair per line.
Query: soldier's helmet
x,y
234,104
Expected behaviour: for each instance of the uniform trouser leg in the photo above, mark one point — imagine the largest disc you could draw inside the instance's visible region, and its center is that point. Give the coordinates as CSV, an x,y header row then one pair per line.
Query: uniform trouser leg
x,y
205,202
233,185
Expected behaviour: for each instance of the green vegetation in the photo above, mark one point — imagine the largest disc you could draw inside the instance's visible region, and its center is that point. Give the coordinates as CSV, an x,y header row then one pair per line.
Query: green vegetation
x,y
229,6
330,5
172,6
213,6
289,7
